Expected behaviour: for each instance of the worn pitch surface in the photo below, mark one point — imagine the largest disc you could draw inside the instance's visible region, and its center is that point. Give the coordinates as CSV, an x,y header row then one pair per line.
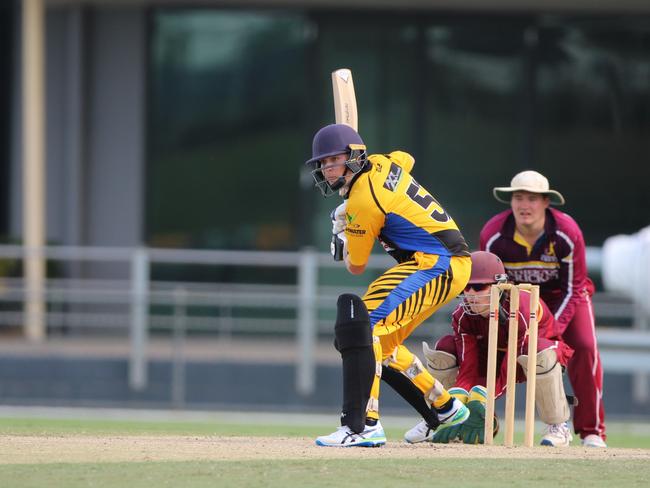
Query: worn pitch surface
x,y
81,449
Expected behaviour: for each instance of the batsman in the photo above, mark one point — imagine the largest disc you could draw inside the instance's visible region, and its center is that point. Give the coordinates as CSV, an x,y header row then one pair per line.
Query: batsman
x,y
382,201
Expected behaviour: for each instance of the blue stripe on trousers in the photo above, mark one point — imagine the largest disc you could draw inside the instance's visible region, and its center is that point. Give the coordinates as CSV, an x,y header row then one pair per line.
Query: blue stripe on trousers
x,y
406,288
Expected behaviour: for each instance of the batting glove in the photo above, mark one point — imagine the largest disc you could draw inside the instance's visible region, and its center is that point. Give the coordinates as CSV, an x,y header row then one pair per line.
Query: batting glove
x,y
339,246
338,219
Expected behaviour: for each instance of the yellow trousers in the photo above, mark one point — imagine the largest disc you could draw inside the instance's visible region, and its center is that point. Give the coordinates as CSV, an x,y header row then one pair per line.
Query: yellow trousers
x,y
399,301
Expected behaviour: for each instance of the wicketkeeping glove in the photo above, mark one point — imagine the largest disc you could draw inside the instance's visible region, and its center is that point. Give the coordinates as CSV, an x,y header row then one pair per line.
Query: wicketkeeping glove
x,y
444,435
472,431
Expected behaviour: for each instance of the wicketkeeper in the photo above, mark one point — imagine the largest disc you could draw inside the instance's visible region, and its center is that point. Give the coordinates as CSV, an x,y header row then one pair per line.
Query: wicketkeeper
x,y
459,361
382,201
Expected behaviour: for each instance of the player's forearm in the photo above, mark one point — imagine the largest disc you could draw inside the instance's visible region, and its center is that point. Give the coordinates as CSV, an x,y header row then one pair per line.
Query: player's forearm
x,y
354,268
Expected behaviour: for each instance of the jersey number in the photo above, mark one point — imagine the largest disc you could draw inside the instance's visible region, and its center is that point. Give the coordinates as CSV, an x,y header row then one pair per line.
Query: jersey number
x,y
425,202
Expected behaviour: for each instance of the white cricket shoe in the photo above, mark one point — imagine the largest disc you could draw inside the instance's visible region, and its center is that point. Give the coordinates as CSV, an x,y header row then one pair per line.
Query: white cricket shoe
x,y
457,414
420,433
593,440
557,435
372,436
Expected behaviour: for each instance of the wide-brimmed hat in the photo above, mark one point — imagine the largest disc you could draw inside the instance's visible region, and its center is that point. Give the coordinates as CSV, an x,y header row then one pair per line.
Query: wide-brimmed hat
x,y
530,181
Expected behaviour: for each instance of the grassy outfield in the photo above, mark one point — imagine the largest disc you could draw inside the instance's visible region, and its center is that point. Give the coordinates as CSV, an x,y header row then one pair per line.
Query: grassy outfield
x,y
379,472
627,435
332,473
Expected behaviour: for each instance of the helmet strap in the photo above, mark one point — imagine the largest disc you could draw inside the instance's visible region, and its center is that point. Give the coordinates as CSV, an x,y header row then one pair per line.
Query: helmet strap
x,y
339,183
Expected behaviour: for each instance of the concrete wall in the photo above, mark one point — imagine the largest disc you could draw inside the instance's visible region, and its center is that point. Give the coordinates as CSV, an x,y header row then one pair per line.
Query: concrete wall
x,y
95,127
221,384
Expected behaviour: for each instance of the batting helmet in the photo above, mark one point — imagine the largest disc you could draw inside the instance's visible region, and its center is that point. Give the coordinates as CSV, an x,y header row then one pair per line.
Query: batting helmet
x,y
486,268
332,140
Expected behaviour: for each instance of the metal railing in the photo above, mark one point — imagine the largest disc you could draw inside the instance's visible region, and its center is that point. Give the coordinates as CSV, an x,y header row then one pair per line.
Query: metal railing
x,y
94,299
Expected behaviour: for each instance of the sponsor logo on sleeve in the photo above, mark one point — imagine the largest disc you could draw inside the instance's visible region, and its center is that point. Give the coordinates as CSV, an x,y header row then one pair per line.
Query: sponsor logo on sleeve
x,y
353,229
393,178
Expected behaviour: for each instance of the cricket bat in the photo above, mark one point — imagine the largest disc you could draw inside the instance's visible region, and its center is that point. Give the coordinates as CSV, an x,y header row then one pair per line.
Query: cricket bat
x,y
345,112
345,102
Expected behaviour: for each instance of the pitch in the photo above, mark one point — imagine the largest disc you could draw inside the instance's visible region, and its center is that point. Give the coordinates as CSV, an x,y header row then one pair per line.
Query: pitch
x,y
249,449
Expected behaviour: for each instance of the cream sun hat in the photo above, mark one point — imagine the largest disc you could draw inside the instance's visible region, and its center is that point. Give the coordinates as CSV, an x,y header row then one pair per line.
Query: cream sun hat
x,y
530,181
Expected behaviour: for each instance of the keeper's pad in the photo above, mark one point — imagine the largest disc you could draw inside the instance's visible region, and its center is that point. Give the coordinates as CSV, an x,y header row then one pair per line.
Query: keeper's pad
x,y
354,342
550,399
442,365
411,393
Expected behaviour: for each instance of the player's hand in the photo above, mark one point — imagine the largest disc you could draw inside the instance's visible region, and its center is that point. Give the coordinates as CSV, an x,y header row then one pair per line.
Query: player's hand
x,y
338,219
339,246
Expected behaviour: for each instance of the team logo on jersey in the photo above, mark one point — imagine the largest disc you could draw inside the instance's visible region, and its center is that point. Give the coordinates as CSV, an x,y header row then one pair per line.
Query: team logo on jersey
x,y
349,217
393,178
548,256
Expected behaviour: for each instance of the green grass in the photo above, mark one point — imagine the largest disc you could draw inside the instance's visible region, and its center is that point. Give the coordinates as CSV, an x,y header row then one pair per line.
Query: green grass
x,y
620,434
378,472
332,473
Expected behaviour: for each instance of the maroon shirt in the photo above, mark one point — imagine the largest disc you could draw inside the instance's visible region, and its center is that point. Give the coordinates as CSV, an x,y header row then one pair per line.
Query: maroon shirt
x,y
471,339
556,262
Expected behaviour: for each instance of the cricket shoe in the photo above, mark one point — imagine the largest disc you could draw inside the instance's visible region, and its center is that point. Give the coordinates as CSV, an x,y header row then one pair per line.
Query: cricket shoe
x,y
557,435
372,436
593,440
420,433
453,414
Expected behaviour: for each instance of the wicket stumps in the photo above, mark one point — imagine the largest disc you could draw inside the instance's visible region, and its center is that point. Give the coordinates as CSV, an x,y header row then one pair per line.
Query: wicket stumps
x,y
513,326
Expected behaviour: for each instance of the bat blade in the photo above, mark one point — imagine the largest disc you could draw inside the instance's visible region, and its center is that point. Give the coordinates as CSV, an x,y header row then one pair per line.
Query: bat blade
x,y
345,102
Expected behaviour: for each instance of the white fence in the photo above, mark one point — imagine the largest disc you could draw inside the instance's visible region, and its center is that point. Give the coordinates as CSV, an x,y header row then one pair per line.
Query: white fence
x,y
106,298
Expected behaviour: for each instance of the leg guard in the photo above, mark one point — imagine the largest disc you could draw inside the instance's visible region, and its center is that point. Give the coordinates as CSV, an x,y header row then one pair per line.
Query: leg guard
x,y
550,399
354,342
412,368
442,365
411,393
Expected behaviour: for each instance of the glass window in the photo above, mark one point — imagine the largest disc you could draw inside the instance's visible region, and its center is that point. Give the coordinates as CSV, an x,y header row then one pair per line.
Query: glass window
x,y
236,95
226,137
474,120
383,54
594,120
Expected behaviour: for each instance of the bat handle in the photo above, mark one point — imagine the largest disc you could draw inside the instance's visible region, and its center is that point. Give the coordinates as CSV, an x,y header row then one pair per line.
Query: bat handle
x,y
337,247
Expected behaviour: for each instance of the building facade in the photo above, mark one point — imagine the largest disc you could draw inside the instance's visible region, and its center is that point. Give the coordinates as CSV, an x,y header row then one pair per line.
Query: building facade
x,y
185,124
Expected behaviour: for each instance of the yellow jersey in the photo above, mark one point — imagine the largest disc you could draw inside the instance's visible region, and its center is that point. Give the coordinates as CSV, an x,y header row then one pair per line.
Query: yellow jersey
x,y
386,203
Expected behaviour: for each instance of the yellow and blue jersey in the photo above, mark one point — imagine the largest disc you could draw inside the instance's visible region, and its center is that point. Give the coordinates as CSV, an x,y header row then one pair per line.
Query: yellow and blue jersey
x,y
387,203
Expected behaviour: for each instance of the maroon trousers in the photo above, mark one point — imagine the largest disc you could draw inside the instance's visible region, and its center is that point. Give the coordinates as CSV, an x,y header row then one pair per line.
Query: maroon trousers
x,y
585,371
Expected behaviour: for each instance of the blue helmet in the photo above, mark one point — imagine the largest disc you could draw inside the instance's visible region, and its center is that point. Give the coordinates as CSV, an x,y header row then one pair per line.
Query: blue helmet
x,y
332,140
